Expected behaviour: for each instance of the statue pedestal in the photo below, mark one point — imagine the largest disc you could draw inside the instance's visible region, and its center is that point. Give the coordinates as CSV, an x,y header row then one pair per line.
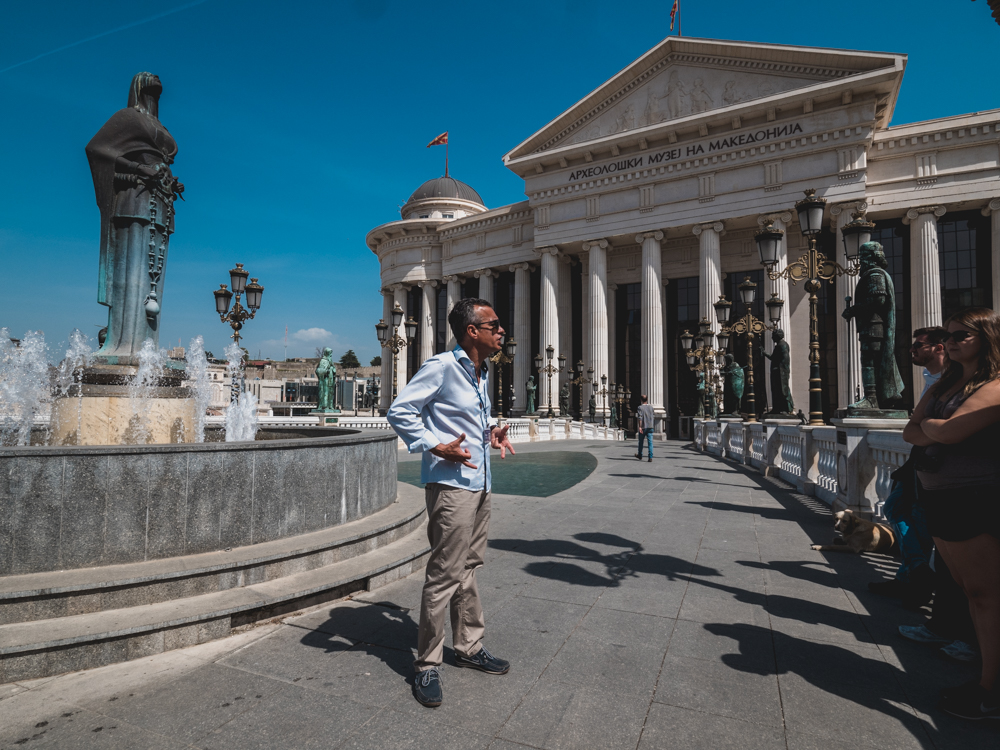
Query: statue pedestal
x,y
103,410
855,467
852,412
326,416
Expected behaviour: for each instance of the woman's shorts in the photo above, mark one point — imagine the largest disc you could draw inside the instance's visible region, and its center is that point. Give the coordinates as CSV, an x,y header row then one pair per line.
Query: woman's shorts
x,y
962,513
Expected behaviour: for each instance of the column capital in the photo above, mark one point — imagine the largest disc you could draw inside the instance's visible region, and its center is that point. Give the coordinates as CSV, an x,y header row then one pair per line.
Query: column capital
x,y
785,217
450,278
991,207
549,250
613,287
603,244
658,236
487,272
400,287
519,267
716,226
428,282
839,208
913,213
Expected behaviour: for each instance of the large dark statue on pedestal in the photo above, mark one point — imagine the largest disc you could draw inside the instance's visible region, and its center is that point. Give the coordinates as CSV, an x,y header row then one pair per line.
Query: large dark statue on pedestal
x,y
781,393
130,160
874,313
733,394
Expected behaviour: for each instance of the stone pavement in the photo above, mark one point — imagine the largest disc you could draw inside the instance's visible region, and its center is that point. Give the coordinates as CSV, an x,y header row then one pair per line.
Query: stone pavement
x,y
673,604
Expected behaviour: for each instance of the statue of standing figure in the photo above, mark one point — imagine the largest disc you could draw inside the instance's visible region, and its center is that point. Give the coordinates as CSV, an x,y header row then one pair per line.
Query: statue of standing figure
x,y
781,393
564,400
733,394
874,313
613,420
592,407
130,158
531,389
326,374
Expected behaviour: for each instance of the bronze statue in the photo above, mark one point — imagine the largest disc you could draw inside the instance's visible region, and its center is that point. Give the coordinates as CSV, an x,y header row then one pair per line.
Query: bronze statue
x,y
592,407
733,394
613,420
874,313
531,390
326,374
130,160
564,400
781,393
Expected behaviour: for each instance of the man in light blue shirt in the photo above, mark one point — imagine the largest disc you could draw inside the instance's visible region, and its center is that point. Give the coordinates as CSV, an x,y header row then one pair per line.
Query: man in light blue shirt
x,y
444,413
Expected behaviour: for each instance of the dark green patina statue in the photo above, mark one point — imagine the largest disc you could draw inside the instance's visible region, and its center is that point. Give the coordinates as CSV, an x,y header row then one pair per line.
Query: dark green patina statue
x,y
564,400
130,160
613,421
592,407
874,313
326,375
531,389
733,394
781,393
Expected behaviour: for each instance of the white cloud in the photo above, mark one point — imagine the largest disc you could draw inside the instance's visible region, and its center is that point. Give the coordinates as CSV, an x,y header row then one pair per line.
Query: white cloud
x,y
313,336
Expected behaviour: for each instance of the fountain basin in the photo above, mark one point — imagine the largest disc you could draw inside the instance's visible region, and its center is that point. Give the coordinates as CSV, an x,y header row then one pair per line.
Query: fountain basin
x,y
70,507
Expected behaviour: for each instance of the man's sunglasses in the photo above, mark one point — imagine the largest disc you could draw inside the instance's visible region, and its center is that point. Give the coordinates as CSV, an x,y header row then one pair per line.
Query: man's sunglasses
x,y
959,336
493,325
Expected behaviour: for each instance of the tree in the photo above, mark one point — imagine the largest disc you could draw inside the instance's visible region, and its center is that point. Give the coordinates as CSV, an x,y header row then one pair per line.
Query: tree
x,y
349,360
376,362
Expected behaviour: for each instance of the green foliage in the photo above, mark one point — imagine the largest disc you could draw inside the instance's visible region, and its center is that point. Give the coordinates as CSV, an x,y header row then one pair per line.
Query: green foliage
x,y
376,362
349,360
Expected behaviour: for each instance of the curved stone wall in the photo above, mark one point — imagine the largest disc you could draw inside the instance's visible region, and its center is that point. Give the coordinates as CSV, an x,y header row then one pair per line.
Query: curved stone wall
x,y
63,508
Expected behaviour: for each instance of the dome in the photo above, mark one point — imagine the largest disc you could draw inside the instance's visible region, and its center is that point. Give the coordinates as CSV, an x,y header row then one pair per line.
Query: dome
x,y
446,187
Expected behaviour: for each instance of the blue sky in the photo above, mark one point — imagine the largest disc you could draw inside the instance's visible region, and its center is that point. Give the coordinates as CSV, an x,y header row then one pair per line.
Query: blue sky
x,y
302,125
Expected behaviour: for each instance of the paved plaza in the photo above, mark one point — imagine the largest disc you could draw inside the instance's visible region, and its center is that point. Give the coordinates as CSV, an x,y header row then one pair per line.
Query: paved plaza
x,y
672,604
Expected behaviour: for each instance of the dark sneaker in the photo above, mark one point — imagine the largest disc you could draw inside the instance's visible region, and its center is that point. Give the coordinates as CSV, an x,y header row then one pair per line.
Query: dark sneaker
x,y
638,456
972,702
649,460
484,661
427,687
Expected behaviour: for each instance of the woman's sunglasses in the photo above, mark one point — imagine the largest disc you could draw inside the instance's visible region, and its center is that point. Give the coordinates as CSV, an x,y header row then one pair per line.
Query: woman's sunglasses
x,y
958,336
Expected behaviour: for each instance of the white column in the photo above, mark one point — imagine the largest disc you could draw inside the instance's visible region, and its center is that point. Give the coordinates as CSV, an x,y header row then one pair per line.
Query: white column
x,y
549,321
597,293
780,287
565,343
612,307
486,276
454,295
585,333
522,335
849,387
400,292
925,275
993,210
652,323
385,376
709,269
428,314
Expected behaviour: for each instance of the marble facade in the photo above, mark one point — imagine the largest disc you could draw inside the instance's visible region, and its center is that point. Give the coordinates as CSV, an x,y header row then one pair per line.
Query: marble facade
x,y
663,174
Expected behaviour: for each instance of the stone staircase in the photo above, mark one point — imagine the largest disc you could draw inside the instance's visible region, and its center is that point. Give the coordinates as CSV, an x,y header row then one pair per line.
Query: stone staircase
x,y
65,621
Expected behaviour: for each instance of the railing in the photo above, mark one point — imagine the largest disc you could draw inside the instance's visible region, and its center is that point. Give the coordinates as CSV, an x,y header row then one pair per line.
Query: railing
x,y
713,438
735,441
520,430
758,444
889,451
825,441
789,458
699,433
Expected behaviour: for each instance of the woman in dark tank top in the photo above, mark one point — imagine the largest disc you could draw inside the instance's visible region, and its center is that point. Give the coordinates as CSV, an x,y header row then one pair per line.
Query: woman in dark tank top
x,y
958,422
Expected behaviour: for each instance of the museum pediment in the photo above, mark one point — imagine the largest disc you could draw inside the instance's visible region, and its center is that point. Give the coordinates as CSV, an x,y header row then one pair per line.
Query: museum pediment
x,y
684,78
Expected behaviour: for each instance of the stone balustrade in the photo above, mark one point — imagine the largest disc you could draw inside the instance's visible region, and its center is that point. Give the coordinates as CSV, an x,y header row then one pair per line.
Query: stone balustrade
x,y
848,465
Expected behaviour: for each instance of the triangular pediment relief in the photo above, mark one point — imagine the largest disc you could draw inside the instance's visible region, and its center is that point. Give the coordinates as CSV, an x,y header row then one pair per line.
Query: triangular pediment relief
x,y
683,77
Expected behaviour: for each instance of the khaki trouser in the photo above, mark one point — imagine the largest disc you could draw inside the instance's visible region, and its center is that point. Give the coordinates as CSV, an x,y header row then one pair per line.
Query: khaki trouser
x,y
457,523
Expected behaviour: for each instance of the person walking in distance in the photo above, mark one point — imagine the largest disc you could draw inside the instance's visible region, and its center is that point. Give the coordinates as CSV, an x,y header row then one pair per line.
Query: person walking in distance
x,y
645,417
444,413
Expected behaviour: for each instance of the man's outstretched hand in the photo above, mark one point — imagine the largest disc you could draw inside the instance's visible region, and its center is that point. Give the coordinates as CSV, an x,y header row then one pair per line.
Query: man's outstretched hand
x,y
454,451
499,439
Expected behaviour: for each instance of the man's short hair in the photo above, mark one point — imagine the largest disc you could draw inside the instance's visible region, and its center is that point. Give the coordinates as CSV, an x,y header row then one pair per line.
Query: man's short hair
x,y
463,315
645,398
935,334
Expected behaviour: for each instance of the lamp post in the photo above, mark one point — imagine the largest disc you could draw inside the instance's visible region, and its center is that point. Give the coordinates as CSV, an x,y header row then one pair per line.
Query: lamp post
x,y
701,358
749,325
239,314
503,357
549,370
395,342
603,393
581,381
813,267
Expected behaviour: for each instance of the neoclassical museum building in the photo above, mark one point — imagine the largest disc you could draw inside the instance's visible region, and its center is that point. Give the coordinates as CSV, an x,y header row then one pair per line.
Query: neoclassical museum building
x,y
643,200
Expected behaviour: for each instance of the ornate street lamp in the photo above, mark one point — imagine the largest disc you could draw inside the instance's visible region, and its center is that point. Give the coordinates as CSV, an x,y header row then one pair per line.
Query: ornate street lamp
x,y
549,370
814,268
239,314
581,381
503,357
700,353
603,393
395,342
856,233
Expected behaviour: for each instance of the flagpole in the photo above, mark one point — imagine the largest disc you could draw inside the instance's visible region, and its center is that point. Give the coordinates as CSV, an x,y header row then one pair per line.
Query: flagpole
x,y
446,158
680,18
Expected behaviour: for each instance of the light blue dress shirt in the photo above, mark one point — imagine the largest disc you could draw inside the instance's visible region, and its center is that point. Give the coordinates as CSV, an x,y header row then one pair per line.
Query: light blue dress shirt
x,y
442,401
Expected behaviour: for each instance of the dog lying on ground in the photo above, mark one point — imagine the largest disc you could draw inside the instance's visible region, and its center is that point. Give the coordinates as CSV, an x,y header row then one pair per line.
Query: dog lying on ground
x,y
858,535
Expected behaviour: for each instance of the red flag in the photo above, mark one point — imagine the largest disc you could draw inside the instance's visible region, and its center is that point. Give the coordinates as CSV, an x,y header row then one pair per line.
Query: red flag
x,y
440,140
673,12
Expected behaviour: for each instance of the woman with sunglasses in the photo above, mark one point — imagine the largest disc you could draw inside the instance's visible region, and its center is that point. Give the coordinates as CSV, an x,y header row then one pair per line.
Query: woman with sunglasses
x,y
958,420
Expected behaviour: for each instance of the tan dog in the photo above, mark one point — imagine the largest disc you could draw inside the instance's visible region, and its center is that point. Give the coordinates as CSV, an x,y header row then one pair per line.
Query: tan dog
x,y
858,535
